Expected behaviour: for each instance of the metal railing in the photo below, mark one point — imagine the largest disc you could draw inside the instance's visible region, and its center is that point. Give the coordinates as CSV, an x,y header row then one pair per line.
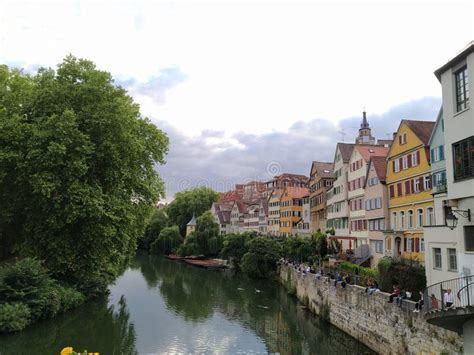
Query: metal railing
x,y
438,297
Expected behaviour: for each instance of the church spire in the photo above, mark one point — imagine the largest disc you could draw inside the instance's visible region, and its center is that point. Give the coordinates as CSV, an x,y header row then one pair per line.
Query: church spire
x,y
364,123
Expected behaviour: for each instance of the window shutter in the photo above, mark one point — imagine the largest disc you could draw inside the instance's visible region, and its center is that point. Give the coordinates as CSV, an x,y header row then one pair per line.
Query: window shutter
x,y
422,184
405,244
429,183
365,224
392,191
393,165
412,183
417,157
441,152
400,161
409,160
407,187
400,139
399,189
417,245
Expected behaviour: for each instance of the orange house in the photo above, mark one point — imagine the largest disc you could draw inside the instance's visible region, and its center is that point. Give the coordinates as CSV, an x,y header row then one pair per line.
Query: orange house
x,y
291,208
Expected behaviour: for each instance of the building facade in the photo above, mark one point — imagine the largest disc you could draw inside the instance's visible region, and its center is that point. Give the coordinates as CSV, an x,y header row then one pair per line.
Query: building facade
x,y
273,227
291,208
356,176
450,253
376,207
303,226
320,181
337,204
409,188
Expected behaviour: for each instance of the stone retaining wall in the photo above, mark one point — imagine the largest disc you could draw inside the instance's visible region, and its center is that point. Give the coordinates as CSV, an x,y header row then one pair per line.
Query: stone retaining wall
x,y
383,327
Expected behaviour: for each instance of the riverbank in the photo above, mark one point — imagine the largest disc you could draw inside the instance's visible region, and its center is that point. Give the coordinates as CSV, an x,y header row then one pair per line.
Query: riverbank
x,y
381,326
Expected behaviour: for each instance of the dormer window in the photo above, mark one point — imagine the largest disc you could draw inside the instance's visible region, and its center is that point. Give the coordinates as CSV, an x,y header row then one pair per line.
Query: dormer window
x,y
402,138
462,89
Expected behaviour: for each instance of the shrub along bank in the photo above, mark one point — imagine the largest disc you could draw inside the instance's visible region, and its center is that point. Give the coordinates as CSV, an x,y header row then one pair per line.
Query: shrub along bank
x,y
28,293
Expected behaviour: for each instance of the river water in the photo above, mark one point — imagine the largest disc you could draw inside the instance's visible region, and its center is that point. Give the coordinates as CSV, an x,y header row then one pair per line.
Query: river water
x,y
162,306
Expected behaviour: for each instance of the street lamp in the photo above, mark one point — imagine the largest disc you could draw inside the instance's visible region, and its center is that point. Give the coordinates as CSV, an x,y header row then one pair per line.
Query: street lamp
x,y
452,220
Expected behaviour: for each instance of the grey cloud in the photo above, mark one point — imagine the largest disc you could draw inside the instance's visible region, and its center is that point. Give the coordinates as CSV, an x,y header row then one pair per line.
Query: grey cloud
x,y
156,86
193,162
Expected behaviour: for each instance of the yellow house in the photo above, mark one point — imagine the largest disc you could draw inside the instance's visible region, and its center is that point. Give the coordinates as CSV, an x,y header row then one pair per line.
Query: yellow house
x,y
409,190
291,208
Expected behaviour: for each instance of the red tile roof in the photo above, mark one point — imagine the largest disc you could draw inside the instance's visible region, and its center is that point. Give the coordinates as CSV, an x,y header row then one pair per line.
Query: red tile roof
x,y
368,151
380,166
297,192
322,169
422,129
346,150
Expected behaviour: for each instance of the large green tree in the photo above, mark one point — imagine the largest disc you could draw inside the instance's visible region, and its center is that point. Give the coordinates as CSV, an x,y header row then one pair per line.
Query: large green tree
x,y
186,203
158,221
167,242
77,170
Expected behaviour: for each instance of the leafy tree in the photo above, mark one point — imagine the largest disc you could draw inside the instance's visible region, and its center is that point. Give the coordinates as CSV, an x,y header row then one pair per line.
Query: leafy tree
x,y
190,246
320,244
207,234
158,221
234,246
168,241
408,274
186,203
77,170
297,248
261,258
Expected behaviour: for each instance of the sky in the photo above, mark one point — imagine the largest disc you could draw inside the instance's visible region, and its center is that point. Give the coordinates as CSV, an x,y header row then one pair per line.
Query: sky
x,y
249,89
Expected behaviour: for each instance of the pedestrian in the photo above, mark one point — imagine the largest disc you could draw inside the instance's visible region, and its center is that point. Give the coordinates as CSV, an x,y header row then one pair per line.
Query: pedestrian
x,y
448,299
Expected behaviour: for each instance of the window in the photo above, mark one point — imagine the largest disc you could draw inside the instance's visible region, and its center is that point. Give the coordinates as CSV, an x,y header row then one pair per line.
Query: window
x,y
422,245
462,89
410,219
402,138
394,220
414,158
419,218
469,238
437,153
416,185
464,159
452,260
379,246
429,216
409,245
427,184
437,258
405,162
402,220
396,165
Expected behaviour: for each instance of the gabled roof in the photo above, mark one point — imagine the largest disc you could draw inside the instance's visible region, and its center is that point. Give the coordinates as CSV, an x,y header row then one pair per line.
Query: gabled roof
x,y
297,192
380,166
346,150
368,151
322,169
224,217
438,121
264,203
422,129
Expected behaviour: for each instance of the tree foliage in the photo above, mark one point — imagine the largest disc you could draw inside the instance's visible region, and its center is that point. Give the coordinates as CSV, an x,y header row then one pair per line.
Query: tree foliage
x,y
235,246
262,256
167,242
297,248
205,240
77,170
408,274
186,203
158,221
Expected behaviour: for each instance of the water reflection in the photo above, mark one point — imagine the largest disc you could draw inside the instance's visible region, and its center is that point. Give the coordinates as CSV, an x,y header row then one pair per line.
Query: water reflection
x,y
96,326
160,306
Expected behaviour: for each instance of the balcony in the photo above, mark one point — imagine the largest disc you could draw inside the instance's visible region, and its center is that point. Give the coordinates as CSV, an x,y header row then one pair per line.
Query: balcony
x,y
450,316
440,187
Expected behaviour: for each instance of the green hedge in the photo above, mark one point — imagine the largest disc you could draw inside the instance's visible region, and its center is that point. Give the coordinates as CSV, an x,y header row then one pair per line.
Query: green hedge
x,y
364,272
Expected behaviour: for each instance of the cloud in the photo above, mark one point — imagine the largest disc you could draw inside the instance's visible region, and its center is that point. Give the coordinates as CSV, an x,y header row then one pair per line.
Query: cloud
x,y
156,86
242,157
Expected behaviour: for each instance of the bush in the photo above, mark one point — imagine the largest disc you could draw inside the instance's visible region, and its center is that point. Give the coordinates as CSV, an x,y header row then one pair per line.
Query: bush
x,y
235,247
13,317
189,247
407,274
27,285
262,256
365,273
167,242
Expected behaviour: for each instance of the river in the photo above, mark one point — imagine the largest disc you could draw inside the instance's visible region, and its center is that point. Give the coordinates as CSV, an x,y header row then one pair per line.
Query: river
x,y
162,306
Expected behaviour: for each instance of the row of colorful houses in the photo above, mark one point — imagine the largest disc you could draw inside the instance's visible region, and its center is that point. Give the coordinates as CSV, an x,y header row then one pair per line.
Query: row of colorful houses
x,y
409,197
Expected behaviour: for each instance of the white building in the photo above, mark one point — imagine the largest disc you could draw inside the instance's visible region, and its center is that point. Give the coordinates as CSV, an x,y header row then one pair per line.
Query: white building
x,y
450,253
